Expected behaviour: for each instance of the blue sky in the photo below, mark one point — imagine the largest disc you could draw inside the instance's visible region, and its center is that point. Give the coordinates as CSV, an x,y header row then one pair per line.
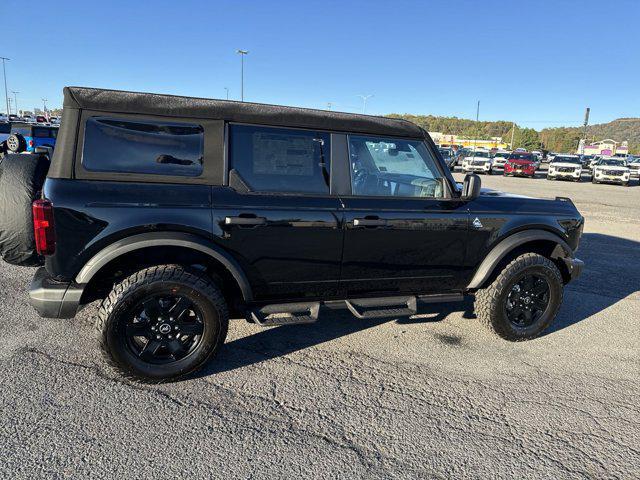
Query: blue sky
x,y
539,63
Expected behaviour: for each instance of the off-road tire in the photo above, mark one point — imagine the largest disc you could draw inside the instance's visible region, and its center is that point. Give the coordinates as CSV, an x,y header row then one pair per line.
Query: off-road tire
x,y
197,287
490,301
16,143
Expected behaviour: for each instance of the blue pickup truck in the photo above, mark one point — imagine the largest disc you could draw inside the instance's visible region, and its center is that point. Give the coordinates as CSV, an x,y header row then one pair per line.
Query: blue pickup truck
x,y
25,137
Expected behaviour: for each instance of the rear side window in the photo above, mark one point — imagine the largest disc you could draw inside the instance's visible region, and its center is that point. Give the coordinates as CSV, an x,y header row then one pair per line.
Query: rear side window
x,y
5,127
280,160
24,131
147,147
41,132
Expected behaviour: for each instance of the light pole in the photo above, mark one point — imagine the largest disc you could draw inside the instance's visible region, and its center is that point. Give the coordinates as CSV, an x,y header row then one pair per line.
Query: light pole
x,y
227,90
513,131
242,54
477,126
44,105
364,101
15,98
4,71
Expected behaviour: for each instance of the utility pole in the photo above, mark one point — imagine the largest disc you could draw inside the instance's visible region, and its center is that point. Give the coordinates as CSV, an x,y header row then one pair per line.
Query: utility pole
x,y
15,98
364,101
242,54
513,131
477,125
4,71
227,90
586,126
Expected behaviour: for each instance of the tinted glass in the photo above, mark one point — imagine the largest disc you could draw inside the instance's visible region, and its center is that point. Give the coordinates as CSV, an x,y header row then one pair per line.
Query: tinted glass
x,y
392,167
559,159
24,131
480,154
280,160
521,156
5,127
42,132
612,162
159,148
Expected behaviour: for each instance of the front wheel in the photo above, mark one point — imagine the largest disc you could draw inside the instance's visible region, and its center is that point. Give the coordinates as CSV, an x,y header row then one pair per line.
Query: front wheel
x,y
162,323
523,300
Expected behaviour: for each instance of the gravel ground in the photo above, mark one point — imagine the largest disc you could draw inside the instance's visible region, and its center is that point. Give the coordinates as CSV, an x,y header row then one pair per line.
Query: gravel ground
x,y
430,396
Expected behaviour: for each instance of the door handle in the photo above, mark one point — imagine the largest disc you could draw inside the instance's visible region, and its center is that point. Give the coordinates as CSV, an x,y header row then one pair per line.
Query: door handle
x,y
245,220
369,222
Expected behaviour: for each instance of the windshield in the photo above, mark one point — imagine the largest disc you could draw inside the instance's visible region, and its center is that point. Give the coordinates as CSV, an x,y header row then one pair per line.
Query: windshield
x,y
481,154
445,153
560,159
612,162
520,156
501,155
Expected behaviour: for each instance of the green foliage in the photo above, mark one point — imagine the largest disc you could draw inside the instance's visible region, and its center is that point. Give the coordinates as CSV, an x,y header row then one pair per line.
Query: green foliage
x,y
562,139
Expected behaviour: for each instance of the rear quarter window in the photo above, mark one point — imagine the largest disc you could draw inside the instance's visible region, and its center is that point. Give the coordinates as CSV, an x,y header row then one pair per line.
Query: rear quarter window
x,y
146,147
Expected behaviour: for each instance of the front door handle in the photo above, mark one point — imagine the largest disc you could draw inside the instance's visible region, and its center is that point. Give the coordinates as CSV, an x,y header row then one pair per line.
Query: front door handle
x,y
369,222
253,220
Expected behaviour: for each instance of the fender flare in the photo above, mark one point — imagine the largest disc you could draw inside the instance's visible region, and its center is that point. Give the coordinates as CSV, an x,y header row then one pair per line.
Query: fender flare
x,y
163,239
506,245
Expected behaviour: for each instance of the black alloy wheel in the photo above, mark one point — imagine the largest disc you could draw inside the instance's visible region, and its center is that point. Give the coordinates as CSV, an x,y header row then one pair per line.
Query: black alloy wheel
x,y
528,300
164,329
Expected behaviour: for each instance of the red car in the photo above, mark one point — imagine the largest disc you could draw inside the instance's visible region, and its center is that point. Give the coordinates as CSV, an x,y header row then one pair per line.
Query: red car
x,y
520,164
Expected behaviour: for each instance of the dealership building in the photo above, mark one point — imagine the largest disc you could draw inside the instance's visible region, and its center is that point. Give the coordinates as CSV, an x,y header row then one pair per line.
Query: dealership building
x,y
604,147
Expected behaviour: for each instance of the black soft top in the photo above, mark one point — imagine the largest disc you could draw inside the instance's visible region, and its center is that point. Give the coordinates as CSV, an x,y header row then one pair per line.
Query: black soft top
x,y
117,101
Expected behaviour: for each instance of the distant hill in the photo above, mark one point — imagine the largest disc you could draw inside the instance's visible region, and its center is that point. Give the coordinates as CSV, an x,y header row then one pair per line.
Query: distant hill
x,y
560,139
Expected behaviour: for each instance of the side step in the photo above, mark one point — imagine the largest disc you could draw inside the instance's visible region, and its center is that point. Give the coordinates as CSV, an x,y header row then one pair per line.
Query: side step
x,y
383,307
285,314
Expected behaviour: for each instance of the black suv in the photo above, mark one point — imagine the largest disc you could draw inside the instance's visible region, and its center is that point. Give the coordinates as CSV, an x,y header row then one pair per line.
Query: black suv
x,y
177,213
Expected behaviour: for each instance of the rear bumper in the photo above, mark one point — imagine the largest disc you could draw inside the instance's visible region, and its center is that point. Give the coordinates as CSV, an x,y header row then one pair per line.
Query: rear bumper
x,y
53,299
575,267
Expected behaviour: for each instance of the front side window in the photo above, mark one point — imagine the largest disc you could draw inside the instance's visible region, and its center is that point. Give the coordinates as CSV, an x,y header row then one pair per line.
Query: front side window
x,y
280,160
143,146
393,167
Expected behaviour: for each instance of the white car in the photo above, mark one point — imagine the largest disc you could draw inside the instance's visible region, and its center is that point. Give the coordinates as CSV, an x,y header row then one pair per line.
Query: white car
x,y
499,159
565,166
611,170
478,161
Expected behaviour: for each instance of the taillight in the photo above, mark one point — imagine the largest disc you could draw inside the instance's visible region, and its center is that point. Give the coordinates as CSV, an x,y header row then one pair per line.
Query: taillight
x,y
43,228
31,143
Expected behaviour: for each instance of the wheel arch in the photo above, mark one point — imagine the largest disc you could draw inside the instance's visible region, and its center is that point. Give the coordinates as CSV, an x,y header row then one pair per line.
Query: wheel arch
x,y
547,243
172,242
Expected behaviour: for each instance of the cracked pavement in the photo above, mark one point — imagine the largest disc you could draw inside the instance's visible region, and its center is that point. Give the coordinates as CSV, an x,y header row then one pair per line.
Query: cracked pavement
x,y
434,396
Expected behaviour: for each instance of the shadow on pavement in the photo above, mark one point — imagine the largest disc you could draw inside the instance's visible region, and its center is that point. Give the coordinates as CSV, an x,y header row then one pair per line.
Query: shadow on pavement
x,y
611,274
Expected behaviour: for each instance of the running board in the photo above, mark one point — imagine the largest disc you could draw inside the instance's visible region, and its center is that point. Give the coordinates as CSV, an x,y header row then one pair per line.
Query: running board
x,y
383,307
285,314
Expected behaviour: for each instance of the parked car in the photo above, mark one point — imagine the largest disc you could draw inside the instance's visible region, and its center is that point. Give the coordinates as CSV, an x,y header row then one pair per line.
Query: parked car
x,y
633,164
567,167
594,162
585,161
26,137
478,161
146,209
499,159
447,156
520,164
611,170
5,131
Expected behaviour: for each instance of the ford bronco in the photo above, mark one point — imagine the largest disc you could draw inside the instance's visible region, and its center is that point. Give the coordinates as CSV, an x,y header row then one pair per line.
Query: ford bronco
x,y
176,213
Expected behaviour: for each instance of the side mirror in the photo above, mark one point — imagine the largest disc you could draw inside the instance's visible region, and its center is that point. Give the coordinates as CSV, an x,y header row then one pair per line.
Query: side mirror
x,y
471,187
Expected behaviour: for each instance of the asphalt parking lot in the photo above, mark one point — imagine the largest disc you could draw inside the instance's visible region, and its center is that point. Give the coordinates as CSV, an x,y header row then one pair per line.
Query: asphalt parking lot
x,y
430,396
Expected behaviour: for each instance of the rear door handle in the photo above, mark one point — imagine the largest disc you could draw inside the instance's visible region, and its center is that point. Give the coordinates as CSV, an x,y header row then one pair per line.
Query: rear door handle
x,y
245,220
369,222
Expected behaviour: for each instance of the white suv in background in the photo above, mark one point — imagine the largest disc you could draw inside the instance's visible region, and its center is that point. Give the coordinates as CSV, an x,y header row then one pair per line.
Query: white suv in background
x,y
478,161
499,159
611,170
567,167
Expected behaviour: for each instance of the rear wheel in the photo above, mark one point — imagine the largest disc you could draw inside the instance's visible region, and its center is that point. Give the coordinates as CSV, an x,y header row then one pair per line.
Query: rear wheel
x,y
523,300
162,323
